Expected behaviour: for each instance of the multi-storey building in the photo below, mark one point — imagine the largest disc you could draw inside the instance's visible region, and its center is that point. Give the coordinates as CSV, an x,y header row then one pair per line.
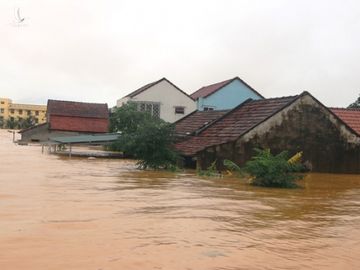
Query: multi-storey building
x,y
18,112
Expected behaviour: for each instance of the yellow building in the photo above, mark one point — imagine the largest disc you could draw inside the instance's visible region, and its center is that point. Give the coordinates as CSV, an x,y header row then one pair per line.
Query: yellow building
x,y
18,112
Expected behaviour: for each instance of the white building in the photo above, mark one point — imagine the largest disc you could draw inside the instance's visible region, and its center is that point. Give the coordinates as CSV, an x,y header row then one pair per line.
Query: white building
x,y
162,99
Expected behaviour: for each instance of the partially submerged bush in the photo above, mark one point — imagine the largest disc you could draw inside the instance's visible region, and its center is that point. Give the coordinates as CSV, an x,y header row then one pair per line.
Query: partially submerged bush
x,y
273,171
233,168
210,171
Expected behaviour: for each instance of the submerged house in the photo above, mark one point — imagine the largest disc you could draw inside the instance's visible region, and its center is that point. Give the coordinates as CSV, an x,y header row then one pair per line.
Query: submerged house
x,y
295,123
69,118
224,95
161,99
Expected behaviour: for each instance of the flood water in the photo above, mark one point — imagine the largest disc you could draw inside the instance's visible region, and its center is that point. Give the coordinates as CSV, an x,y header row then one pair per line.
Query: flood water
x,y
60,213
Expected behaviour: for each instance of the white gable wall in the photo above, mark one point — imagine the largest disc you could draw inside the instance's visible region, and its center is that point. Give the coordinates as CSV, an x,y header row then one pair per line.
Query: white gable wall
x,y
169,97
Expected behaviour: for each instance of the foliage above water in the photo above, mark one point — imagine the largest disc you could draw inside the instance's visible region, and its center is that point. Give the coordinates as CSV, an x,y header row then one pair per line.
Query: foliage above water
x,y
146,138
210,171
273,170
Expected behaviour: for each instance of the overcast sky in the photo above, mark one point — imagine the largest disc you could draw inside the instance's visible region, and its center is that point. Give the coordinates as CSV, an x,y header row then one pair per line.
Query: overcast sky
x,y
98,51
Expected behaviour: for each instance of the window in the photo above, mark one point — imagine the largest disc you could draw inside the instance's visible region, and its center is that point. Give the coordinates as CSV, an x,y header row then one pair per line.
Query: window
x,y
12,119
20,119
150,107
28,112
179,110
36,120
208,109
12,111
2,110
36,112
2,102
20,111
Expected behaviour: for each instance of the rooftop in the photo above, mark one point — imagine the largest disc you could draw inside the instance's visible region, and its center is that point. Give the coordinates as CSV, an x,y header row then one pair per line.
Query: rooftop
x,y
149,85
235,123
196,121
350,116
208,90
78,109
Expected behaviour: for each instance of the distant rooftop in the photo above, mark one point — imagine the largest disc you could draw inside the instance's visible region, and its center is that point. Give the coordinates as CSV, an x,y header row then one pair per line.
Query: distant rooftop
x,y
79,109
208,90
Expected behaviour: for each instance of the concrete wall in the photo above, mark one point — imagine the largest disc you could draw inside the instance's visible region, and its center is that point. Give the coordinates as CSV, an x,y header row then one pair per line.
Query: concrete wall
x,y
328,145
169,97
228,97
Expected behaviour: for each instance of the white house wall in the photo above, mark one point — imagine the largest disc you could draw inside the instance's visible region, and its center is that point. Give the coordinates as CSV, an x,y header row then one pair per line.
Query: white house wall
x,y
169,97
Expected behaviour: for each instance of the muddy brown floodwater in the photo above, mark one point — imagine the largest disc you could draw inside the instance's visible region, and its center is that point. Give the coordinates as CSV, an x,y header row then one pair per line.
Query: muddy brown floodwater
x,y
60,213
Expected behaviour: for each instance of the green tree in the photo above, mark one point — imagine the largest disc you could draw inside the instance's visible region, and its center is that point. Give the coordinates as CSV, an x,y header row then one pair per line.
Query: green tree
x,y
273,170
355,104
27,122
11,123
144,137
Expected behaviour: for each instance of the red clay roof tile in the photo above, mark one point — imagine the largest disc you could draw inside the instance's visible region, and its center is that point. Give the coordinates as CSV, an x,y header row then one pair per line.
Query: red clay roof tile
x,y
80,109
78,116
234,124
79,124
196,121
210,89
350,116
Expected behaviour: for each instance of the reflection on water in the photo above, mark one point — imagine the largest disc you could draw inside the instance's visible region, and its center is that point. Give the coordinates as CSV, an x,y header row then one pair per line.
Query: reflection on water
x,y
60,213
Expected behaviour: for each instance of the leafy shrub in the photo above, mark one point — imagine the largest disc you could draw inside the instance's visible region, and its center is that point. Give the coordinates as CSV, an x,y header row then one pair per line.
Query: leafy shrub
x,y
233,168
144,137
210,171
273,171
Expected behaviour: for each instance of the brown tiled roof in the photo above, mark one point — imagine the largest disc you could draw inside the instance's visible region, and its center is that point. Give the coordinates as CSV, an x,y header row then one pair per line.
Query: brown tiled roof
x,y
206,91
234,124
350,116
78,116
147,86
196,121
79,124
79,109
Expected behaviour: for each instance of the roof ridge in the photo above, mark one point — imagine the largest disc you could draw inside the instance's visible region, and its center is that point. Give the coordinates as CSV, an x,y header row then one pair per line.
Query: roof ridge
x,y
226,82
249,100
221,85
71,101
217,83
147,86
274,98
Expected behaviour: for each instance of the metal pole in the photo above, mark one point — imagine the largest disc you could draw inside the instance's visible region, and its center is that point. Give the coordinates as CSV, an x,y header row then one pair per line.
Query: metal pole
x,y
70,150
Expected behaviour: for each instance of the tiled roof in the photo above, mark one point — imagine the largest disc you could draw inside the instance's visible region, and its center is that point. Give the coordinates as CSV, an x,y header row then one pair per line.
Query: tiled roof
x,y
79,109
79,124
234,124
196,121
149,85
350,116
210,89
